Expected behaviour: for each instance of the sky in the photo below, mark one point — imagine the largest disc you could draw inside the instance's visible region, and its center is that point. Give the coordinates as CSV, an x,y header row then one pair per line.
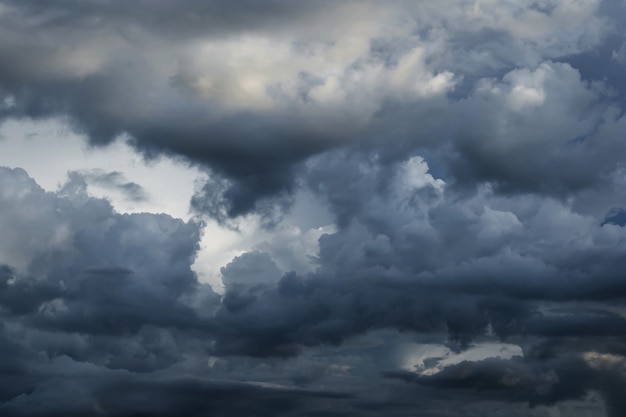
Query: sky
x,y
315,208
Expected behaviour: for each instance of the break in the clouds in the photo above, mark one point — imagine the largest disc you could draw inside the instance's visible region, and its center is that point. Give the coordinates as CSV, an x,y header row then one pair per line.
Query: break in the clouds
x,y
428,199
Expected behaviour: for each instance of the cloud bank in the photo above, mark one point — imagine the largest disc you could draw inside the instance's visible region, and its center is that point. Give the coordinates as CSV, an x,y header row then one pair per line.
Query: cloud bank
x,y
469,153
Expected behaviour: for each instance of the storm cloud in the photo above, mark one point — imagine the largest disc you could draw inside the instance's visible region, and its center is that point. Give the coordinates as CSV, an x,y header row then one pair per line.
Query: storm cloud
x,y
252,91
440,184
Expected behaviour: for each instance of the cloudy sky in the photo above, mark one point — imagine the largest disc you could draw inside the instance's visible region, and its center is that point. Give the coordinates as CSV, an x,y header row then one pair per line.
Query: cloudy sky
x,y
321,208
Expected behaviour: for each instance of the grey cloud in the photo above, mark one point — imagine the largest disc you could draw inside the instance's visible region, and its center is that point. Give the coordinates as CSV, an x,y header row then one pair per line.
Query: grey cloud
x,y
110,392
615,216
472,160
247,275
415,257
111,306
163,17
250,269
116,180
254,136
240,146
533,381
94,272
420,258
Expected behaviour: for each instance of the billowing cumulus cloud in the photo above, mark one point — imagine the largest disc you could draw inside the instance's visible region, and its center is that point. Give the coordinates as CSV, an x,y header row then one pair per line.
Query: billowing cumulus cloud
x,y
251,91
436,188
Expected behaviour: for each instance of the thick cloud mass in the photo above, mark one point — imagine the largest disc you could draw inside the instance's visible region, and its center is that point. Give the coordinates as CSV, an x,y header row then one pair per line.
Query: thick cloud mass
x,y
471,157
252,90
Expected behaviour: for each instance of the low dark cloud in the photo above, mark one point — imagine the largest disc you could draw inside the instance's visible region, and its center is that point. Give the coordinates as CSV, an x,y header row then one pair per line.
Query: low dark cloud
x,y
93,272
111,302
470,159
535,380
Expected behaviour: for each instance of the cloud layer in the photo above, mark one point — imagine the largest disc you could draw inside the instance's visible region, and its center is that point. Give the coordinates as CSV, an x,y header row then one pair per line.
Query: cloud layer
x,y
252,92
469,154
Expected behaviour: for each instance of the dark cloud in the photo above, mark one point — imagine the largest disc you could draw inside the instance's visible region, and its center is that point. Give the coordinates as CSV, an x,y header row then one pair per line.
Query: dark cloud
x,y
106,392
615,216
116,181
117,292
533,380
201,88
471,159
162,17
418,257
92,271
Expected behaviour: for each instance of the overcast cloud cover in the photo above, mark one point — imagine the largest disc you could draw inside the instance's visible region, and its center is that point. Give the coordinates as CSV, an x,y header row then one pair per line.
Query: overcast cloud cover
x,y
435,191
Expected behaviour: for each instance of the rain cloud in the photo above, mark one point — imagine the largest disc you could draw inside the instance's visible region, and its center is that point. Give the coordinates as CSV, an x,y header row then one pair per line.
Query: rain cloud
x,y
469,155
